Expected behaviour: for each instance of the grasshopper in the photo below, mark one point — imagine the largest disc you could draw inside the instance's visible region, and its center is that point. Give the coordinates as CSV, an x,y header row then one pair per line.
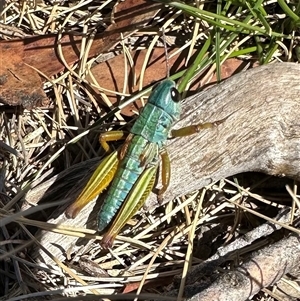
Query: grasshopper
x,y
132,169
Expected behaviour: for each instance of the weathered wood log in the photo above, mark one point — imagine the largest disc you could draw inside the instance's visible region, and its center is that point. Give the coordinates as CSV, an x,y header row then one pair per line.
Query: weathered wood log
x,y
264,268
257,270
261,132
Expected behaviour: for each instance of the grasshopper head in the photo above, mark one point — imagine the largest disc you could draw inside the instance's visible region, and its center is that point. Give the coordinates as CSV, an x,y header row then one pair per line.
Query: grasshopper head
x,y
166,96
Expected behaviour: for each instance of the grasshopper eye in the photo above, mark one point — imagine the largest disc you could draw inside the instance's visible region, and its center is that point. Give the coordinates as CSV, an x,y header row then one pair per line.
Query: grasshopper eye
x,y
175,95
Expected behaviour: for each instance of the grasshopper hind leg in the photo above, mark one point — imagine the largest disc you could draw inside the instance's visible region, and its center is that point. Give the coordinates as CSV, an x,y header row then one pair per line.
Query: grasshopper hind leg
x,y
99,181
101,177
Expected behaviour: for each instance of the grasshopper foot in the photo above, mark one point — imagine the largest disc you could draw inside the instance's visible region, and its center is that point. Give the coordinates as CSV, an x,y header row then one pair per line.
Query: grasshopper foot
x,y
107,241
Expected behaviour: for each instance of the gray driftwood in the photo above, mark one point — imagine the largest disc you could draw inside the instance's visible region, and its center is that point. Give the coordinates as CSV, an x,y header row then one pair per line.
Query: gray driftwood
x,y
261,132
264,268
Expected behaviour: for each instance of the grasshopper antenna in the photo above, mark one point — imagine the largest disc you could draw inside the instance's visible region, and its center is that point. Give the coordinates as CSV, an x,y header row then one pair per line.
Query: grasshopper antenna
x,y
166,52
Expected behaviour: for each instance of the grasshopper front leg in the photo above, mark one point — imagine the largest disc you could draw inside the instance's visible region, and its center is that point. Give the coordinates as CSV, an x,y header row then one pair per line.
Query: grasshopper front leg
x,y
165,173
195,128
165,160
101,177
111,136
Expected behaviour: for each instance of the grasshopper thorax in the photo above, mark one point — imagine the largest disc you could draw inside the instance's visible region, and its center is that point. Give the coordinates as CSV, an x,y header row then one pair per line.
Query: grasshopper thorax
x,y
159,114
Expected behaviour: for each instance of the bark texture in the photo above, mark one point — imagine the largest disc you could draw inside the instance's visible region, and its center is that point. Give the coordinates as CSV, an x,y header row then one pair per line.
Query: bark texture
x,y
264,268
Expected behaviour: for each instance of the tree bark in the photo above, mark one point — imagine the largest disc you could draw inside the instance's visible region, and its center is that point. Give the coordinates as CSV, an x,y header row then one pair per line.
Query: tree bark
x,y
260,132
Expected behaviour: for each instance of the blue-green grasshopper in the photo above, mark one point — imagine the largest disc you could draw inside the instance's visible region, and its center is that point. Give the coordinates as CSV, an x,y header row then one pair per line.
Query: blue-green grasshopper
x,y
132,169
